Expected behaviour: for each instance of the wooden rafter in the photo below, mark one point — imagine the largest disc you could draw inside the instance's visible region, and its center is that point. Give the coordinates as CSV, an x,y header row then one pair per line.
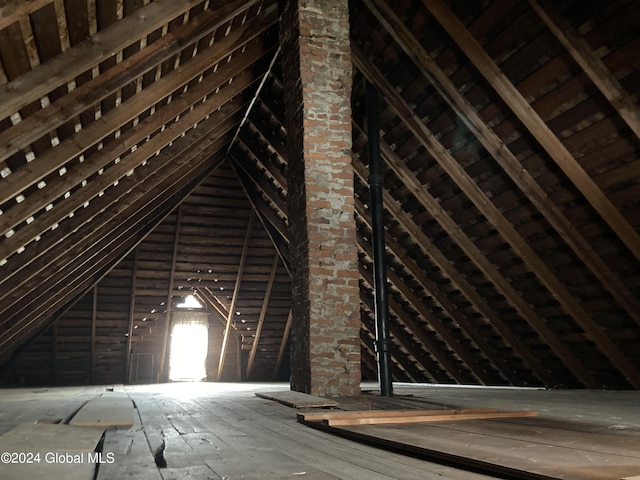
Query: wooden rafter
x,y
408,344
250,146
422,336
141,217
400,360
74,202
84,97
56,158
434,324
496,147
234,298
451,310
263,314
261,183
209,298
12,10
132,306
37,83
536,126
489,270
592,65
94,319
502,225
274,226
172,172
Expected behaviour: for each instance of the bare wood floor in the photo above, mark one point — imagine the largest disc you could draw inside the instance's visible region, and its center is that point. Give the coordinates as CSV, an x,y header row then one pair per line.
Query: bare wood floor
x,y
218,431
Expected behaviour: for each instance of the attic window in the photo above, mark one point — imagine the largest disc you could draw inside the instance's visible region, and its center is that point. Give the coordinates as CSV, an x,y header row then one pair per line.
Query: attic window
x,y
190,302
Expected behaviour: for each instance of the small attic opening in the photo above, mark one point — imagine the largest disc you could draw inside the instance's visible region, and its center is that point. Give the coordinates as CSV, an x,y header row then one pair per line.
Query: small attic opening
x,y
189,342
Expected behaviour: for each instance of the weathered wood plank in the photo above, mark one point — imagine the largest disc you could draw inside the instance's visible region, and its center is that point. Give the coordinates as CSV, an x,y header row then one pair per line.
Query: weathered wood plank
x,y
12,10
297,399
349,414
53,451
540,130
103,45
382,420
110,409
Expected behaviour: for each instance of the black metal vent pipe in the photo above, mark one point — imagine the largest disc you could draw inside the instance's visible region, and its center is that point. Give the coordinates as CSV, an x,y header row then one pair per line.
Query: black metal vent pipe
x,y
383,341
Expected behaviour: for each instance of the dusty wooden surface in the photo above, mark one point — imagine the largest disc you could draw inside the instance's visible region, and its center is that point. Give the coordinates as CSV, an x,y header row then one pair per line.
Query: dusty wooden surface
x,y
109,409
217,430
297,399
40,450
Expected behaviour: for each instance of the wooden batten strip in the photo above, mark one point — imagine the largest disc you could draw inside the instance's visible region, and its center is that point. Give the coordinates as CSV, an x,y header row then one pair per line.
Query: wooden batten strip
x,y
176,156
425,418
144,209
103,45
12,10
319,416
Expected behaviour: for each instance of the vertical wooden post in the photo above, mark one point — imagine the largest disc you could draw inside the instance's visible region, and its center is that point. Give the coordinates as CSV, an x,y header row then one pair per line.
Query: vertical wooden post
x,y
94,315
263,313
283,344
239,355
234,298
132,304
162,364
54,351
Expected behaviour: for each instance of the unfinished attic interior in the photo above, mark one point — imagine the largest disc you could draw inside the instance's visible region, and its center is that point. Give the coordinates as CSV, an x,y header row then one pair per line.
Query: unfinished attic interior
x,y
144,159
184,162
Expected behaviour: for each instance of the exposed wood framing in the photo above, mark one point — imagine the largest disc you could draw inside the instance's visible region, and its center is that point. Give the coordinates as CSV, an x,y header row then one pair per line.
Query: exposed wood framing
x,y
263,313
508,232
234,298
283,344
536,126
12,10
392,205
166,336
494,145
592,65
132,305
94,319
100,47
118,113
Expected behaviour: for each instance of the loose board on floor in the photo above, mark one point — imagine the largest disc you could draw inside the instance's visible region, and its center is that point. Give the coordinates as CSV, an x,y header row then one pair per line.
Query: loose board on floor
x,y
509,448
298,399
110,409
44,450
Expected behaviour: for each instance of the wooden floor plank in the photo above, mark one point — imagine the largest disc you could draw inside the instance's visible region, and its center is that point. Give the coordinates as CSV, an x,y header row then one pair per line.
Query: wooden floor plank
x,y
109,409
44,450
215,430
298,399
535,454
131,454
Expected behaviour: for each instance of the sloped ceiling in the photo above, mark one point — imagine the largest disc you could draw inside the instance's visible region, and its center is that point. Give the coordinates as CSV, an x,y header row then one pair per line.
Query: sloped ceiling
x,y
509,137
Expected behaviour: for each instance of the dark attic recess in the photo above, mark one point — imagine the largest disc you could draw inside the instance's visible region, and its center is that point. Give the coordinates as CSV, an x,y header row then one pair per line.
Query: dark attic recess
x,y
144,158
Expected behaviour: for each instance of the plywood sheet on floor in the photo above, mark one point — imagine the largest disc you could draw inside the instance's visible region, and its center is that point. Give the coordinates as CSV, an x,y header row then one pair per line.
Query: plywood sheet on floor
x,y
109,409
49,451
298,399
550,452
